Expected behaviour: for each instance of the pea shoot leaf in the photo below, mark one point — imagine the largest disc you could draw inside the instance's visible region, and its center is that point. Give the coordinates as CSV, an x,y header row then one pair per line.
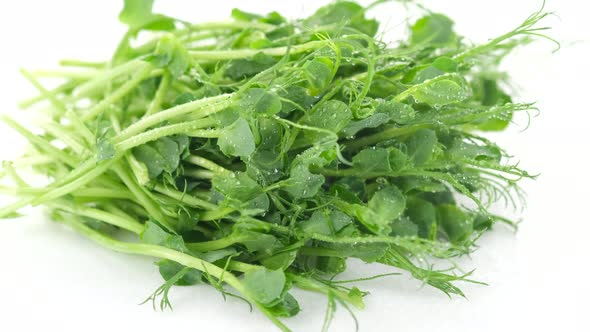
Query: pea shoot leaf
x,y
265,286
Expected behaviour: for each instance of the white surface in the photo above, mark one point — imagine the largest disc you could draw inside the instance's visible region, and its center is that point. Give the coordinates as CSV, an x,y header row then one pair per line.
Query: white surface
x,y
53,279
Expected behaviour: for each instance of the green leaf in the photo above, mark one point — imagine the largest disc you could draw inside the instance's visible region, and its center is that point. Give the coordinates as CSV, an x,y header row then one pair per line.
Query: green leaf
x,y
442,90
333,116
423,214
154,234
216,255
435,30
137,14
464,150
385,112
237,140
271,18
445,64
279,261
387,204
372,160
325,222
168,269
237,189
287,307
421,146
295,97
404,227
162,155
302,183
318,73
172,55
244,68
368,252
372,121
265,286
346,12
457,224
258,101
256,241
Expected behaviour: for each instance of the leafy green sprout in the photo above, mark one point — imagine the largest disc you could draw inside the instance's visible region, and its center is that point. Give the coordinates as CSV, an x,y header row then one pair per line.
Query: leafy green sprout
x,y
262,153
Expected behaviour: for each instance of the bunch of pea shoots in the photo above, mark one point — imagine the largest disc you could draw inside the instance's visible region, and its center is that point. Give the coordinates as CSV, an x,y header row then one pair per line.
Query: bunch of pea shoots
x,y
260,153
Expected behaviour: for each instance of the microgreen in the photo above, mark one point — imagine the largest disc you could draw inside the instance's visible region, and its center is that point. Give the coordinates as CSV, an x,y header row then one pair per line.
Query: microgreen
x,y
260,154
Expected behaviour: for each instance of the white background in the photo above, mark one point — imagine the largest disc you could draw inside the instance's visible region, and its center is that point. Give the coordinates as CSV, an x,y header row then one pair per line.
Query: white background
x,y
53,279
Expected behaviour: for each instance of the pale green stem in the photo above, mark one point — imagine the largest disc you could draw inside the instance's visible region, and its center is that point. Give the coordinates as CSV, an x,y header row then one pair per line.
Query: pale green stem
x,y
61,134
75,184
201,107
80,63
129,224
141,196
69,74
62,88
199,174
156,103
218,214
105,78
247,53
185,198
207,164
32,161
102,193
188,128
382,135
44,92
117,95
40,142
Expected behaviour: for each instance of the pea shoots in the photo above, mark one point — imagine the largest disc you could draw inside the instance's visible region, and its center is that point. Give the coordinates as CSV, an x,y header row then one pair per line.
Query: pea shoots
x,y
259,154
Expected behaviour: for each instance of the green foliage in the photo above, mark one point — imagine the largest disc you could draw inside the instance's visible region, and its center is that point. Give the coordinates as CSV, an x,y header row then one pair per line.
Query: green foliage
x,y
262,153
435,30
137,14
266,286
237,139
162,155
172,55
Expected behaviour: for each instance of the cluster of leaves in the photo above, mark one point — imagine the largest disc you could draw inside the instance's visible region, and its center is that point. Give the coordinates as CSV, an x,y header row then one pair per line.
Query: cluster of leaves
x,y
263,153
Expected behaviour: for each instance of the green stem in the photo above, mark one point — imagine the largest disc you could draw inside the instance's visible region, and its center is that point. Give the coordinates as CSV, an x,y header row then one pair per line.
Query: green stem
x,y
192,129
96,84
199,174
156,103
202,108
382,136
207,164
78,182
214,244
118,94
218,214
44,92
53,92
83,64
129,224
185,198
97,192
246,53
142,196
60,133
67,74
309,284
39,142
